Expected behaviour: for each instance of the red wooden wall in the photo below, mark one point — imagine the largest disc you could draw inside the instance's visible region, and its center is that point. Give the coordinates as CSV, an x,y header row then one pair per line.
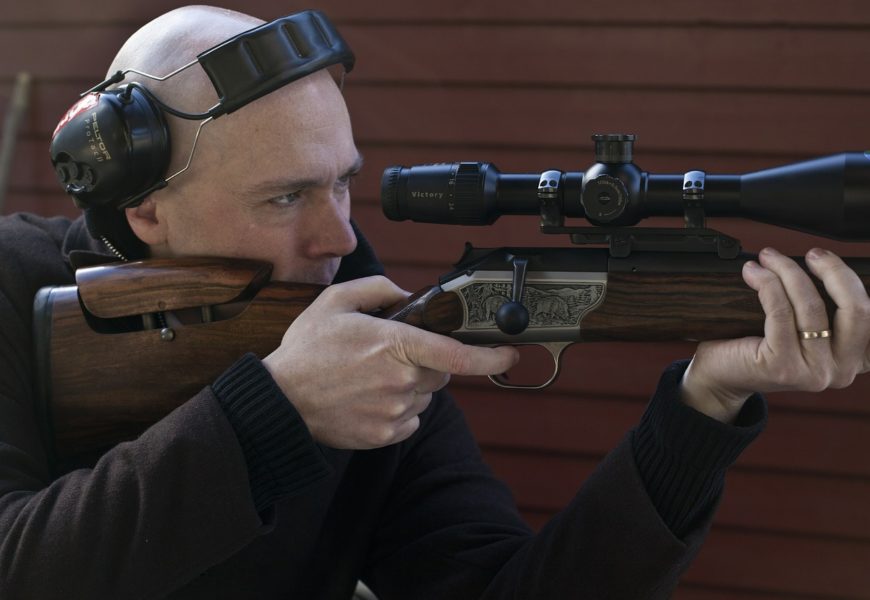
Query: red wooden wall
x,y
725,86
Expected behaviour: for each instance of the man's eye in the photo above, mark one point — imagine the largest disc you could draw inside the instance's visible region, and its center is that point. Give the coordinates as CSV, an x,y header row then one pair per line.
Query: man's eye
x,y
343,183
285,200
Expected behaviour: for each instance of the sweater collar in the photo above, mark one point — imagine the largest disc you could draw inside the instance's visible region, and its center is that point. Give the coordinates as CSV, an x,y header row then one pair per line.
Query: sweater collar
x,y
80,250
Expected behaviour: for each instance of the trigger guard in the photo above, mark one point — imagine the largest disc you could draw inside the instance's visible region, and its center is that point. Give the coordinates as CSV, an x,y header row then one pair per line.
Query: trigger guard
x,y
555,351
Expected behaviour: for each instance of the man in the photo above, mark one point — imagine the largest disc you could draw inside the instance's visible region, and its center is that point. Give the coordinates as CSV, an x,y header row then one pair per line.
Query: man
x,y
331,460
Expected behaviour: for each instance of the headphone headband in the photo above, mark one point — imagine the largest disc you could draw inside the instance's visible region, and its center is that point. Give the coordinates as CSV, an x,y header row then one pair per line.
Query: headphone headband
x,y
272,55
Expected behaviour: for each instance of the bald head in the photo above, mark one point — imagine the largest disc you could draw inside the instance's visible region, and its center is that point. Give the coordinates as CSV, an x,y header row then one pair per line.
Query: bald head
x,y
173,40
187,29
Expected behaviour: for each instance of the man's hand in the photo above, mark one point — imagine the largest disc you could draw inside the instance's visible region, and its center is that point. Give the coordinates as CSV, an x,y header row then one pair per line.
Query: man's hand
x,y
361,382
723,374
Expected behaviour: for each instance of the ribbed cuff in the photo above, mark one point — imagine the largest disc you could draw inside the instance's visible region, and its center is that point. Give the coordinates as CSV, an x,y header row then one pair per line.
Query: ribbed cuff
x,y
281,455
682,454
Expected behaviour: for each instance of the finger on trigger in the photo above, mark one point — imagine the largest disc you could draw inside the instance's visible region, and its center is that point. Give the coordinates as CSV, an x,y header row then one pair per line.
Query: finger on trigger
x,y
447,355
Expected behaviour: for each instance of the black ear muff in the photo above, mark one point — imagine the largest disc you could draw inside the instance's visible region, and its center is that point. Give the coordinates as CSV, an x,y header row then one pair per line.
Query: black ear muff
x,y
111,148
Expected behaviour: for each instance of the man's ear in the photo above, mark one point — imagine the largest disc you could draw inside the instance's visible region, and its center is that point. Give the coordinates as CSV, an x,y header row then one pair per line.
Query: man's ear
x,y
146,223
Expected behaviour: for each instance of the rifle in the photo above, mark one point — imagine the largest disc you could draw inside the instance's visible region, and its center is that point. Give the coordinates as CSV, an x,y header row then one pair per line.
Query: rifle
x,y
645,285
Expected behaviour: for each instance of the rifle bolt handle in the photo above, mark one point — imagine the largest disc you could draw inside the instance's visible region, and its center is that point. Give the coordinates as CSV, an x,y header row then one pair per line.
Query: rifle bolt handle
x,y
512,318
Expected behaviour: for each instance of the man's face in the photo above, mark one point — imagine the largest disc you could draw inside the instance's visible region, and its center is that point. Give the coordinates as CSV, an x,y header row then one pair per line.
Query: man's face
x,y
269,182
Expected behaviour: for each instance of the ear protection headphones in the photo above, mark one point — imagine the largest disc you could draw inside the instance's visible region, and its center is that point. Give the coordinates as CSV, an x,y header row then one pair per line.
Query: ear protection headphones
x,y
112,147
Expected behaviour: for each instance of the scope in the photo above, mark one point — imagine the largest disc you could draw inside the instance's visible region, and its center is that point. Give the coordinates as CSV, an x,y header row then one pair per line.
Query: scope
x,y
827,196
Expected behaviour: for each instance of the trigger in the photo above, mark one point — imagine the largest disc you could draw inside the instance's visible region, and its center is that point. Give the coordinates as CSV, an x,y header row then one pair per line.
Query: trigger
x,y
555,349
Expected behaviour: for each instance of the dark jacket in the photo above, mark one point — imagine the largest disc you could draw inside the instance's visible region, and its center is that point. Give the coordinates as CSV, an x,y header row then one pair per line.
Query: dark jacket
x,y
230,497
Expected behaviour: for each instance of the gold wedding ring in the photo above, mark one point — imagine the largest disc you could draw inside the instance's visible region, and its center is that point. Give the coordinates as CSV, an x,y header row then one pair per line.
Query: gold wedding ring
x,y
812,335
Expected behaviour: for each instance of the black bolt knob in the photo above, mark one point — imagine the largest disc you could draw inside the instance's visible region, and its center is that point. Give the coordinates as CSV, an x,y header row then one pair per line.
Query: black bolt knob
x,y
512,318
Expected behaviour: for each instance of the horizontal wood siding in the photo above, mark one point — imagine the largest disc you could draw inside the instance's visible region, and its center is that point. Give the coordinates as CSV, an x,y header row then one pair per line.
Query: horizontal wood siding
x,y
728,86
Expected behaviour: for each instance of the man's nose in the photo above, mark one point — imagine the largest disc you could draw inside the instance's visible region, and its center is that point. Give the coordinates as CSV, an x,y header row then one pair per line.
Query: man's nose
x,y
330,231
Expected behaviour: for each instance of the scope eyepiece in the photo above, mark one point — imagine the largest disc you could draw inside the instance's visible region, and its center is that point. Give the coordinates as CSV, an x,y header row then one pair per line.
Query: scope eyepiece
x,y
460,193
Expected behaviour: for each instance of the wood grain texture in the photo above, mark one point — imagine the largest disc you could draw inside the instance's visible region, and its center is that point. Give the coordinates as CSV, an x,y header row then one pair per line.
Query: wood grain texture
x,y
811,124
793,442
83,422
839,13
158,285
561,55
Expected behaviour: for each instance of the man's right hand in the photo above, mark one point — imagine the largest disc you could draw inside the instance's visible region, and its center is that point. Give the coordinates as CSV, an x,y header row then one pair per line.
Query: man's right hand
x,y
359,381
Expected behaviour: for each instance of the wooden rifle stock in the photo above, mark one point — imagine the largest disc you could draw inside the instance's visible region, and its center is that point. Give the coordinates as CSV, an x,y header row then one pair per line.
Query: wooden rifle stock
x,y
100,385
